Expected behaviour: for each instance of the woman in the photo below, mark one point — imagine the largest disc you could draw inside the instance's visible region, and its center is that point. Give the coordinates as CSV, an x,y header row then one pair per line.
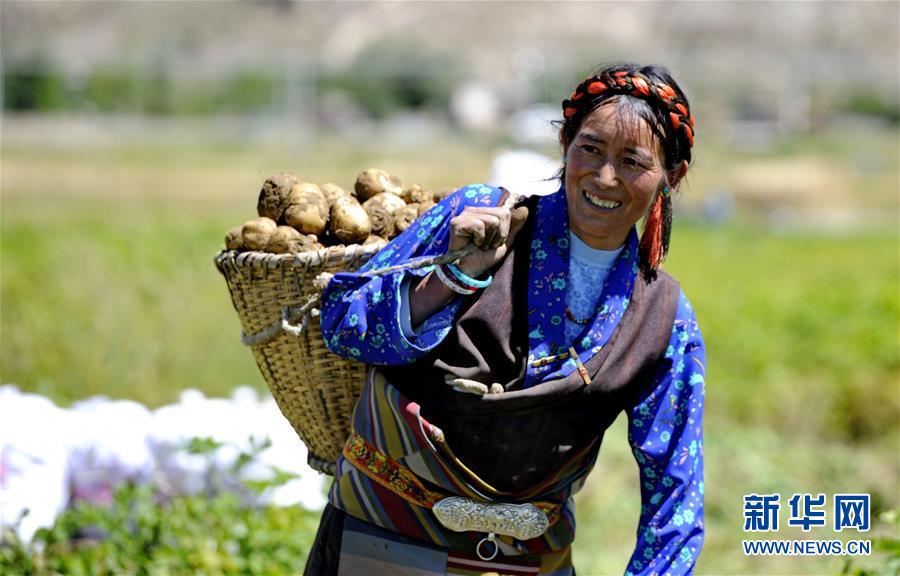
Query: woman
x,y
495,377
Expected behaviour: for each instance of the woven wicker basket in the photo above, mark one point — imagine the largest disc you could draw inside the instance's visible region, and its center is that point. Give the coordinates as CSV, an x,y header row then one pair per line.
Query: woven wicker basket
x,y
315,389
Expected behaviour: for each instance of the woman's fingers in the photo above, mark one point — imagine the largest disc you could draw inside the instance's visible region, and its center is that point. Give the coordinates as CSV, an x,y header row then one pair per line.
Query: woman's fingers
x,y
517,220
496,222
470,229
502,229
476,228
491,231
488,227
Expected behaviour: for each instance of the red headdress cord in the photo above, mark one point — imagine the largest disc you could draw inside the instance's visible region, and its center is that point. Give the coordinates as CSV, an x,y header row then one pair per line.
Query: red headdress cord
x,y
657,229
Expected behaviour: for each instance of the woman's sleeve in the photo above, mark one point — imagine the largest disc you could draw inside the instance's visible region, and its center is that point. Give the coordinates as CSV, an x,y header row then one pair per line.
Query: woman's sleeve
x,y
665,430
361,314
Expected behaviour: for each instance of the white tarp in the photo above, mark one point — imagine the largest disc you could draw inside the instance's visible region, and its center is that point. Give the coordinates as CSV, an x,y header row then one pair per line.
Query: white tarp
x,y
51,457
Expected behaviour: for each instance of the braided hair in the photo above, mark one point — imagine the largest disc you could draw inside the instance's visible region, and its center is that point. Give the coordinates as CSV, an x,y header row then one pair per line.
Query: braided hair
x,y
660,102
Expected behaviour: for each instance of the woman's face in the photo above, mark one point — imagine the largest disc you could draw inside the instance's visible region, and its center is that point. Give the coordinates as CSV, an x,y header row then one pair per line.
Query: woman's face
x,y
613,169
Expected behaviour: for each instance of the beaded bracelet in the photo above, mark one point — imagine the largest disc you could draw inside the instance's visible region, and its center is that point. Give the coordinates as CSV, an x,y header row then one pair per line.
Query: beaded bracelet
x,y
467,280
443,277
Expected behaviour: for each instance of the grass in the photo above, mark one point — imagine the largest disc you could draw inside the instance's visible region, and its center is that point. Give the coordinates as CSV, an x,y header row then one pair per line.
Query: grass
x,y
108,287
809,321
738,461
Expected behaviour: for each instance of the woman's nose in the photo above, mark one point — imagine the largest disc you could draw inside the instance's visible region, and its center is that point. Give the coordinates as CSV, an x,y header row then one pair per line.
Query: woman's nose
x,y
606,175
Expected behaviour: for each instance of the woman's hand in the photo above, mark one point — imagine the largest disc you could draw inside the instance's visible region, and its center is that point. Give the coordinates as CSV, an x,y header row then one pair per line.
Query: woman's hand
x,y
491,230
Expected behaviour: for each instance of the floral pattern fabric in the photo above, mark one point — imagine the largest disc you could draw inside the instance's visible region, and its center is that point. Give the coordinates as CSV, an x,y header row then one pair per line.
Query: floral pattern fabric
x,y
547,287
665,431
361,320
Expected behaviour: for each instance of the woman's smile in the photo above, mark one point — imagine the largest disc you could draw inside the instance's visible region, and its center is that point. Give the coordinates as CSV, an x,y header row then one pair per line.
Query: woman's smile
x,y
601,203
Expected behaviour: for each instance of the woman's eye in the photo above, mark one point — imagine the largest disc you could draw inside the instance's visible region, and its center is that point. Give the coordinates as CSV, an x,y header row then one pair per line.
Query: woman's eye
x,y
632,163
590,148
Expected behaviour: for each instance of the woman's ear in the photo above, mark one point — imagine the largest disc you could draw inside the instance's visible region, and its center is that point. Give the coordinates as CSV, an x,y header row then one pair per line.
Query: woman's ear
x,y
676,174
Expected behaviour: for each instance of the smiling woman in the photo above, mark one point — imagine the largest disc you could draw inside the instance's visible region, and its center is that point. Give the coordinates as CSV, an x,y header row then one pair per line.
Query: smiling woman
x,y
495,377
630,138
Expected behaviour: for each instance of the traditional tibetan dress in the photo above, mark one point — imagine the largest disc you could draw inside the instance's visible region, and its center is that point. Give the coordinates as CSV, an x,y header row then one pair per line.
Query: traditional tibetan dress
x,y
423,455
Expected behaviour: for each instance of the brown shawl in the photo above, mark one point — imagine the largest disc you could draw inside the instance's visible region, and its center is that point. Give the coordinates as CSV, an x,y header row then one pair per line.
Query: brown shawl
x,y
515,439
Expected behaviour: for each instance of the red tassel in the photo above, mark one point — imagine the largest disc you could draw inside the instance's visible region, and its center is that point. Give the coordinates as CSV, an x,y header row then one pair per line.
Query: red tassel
x,y
652,237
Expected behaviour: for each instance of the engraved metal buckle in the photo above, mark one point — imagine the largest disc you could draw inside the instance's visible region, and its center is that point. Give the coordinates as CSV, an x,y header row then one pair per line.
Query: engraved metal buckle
x,y
521,521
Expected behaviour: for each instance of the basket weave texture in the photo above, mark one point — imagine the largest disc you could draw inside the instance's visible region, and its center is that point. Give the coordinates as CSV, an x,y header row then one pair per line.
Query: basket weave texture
x,y
315,389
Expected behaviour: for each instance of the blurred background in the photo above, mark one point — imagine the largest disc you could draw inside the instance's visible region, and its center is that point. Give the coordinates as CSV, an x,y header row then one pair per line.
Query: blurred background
x,y
134,134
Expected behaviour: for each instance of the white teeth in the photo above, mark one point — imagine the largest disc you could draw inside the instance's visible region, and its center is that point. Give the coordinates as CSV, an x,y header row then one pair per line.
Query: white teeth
x,y
602,203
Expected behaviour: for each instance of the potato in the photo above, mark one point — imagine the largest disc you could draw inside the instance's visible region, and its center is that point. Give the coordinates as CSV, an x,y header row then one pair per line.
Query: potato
x,y
349,221
306,243
381,210
438,196
314,243
273,198
373,239
404,217
282,238
371,182
307,209
332,192
233,240
417,194
288,242
425,206
255,233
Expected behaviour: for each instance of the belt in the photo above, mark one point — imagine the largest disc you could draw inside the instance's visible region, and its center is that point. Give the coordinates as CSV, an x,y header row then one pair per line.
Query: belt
x,y
457,513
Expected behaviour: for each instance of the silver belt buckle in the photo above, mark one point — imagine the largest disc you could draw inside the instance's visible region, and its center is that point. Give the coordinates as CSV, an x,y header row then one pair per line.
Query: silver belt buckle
x,y
521,521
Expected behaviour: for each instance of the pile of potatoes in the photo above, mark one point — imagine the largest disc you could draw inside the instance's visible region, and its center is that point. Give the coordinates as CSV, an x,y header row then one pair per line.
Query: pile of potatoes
x,y
297,216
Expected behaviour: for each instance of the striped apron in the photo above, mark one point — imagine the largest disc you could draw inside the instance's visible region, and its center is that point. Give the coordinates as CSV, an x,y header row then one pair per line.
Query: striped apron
x,y
396,466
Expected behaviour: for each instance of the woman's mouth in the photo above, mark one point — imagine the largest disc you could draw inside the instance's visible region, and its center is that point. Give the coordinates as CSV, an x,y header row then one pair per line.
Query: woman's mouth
x,y
601,203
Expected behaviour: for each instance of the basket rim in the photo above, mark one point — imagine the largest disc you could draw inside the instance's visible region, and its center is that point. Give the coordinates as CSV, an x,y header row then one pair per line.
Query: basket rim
x,y
330,256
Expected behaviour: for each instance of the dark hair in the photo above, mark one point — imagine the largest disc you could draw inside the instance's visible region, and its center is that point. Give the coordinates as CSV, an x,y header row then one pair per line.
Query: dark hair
x,y
648,91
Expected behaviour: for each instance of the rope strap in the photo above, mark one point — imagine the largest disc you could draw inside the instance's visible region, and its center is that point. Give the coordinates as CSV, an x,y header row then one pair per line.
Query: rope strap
x,y
288,316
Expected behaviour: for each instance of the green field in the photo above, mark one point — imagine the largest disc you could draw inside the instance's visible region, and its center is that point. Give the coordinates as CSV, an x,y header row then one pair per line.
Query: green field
x,y
108,287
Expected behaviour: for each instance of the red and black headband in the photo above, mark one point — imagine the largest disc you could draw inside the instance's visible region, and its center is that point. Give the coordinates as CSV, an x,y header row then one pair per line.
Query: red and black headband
x,y
632,83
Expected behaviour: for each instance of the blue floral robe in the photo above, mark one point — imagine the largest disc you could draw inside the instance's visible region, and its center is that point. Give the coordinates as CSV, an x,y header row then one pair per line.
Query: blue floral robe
x,y
361,320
